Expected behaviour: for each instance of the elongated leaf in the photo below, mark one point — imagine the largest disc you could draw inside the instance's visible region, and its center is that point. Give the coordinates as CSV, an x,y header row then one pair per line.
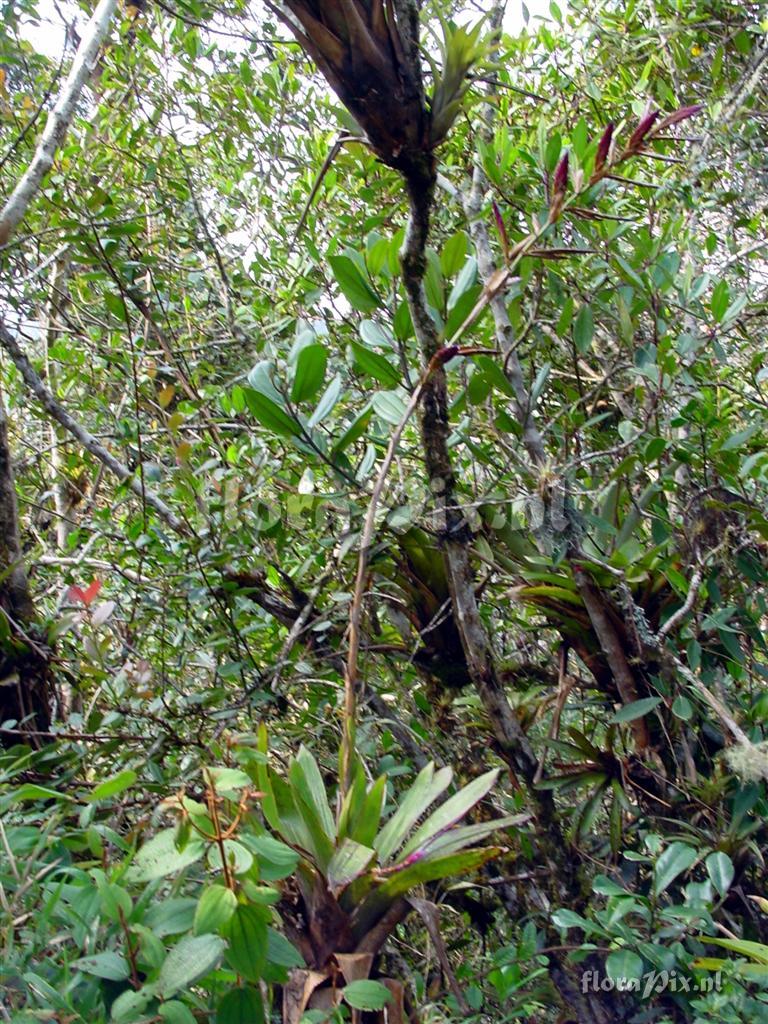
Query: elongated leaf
x,y
268,803
757,951
113,786
328,400
316,795
309,373
426,788
452,810
364,826
348,862
374,364
636,709
459,838
583,329
422,871
353,285
353,801
295,819
271,415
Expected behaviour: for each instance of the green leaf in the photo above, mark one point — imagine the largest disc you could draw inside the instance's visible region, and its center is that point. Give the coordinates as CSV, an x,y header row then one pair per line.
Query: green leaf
x,y
282,952
239,858
623,966
229,780
214,908
354,431
720,870
246,932
31,791
459,838
375,365
757,951
353,285
430,870
454,253
552,152
682,708
310,372
276,859
426,788
389,405
675,859
171,917
130,1005
260,379
720,300
348,862
241,1006
327,402
191,958
110,966
366,995
464,282
583,329
364,826
175,1012
160,857
305,776
636,709
374,335
452,810
270,415
114,785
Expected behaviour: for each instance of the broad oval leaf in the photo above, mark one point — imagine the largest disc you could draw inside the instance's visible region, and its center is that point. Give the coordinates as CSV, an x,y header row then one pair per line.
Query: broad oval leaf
x,y
676,859
623,967
160,857
191,958
246,932
720,870
214,908
367,995
111,966
241,1006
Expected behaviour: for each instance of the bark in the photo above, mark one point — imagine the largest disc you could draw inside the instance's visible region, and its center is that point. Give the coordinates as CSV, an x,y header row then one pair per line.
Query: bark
x,y
25,695
451,526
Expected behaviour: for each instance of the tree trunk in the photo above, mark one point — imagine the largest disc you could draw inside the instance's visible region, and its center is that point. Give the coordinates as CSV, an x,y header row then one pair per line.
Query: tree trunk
x,y
25,693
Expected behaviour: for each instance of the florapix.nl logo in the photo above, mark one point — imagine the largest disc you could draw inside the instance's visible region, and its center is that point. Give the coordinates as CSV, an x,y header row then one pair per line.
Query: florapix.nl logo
x,y
651,983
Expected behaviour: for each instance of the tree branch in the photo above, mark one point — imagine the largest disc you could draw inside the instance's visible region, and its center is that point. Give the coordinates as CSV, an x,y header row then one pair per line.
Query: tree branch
x,y
88,441
58,121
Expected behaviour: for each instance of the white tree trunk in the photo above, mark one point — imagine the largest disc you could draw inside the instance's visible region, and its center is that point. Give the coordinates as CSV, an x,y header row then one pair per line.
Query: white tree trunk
x,y
58,120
